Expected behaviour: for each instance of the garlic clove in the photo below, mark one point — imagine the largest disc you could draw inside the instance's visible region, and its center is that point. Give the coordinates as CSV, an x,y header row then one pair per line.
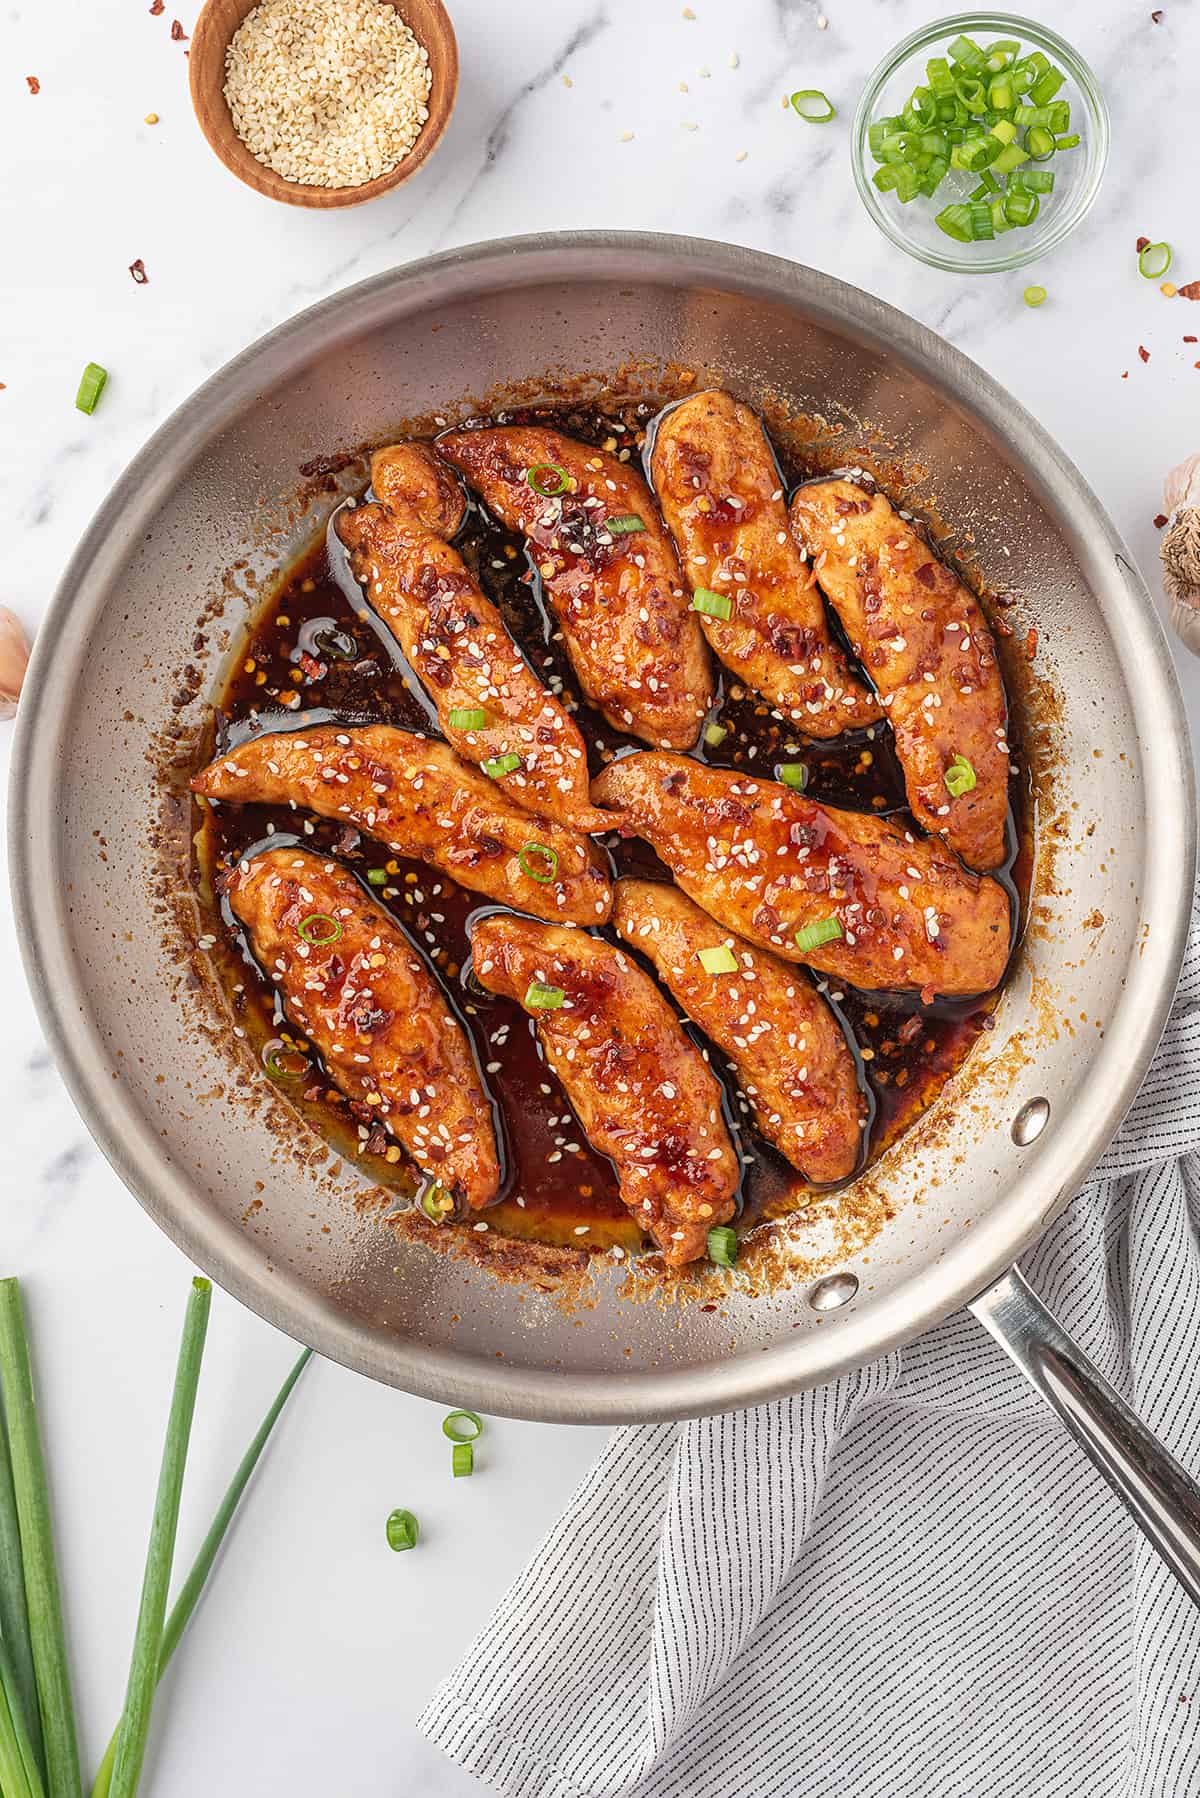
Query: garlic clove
x,y
1182,485
14,659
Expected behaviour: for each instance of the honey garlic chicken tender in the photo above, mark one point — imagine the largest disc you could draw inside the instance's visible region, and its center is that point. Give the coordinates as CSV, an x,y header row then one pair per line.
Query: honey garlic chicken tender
x,y
640,1088
416,796
491,708
608,570
922,637
852,894
350,980
793,1062
762,612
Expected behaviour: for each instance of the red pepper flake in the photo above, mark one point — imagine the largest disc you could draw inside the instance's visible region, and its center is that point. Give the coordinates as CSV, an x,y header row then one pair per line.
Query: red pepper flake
x,y
157,6
1143,243
1143,352
1159,520
1192,340
1156,17
177,32
1125,376
138,271
33,84
1031,640
1191,291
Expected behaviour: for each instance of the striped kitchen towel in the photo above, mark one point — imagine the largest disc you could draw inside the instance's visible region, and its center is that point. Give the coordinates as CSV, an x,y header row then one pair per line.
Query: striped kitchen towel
x,y
906,1584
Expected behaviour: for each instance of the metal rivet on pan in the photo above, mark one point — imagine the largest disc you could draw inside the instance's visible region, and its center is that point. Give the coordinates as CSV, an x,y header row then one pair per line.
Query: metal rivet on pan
x,y
1030,1121
838,1289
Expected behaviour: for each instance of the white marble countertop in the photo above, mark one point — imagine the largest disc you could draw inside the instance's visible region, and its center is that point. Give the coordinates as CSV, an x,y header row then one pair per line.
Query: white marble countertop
x,y
316,1647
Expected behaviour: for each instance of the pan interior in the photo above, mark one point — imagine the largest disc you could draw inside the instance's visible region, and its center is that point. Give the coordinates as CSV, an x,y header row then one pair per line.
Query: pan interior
x,y
154,604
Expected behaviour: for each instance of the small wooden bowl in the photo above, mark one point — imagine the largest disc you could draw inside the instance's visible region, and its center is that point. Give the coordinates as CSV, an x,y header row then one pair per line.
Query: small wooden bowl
x,y
430,25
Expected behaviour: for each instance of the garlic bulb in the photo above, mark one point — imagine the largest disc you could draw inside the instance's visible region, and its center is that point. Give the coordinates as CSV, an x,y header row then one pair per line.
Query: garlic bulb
x,y
14,659
1180,550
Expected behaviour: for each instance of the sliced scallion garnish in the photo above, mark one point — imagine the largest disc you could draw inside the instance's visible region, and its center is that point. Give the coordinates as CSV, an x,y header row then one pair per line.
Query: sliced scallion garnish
x,y
813,106
462,1459
811,936
500,765
548,479
541,997
626,526
377,877
722,1245
1034,296
436,1203
959,777
402,1530
462,1426
713,605
91,386
468,717
720,960
539,861
318,928
1154,260
794,775
715,735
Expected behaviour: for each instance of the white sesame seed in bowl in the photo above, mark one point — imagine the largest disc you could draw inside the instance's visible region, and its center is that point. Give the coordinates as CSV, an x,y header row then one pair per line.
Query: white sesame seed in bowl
x,y
323,102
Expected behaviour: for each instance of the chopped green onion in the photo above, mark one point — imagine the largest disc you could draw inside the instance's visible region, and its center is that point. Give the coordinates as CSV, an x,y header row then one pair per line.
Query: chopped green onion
x,y
811,936
794,775
558,479
318,928
436,1203
337,646
1022,208
971,93
1010,158
32,1497
722,1245
134,1726
539,852
462,1426
715,735
462,1460
377,877
626,525
281,1062
541,997
1032,181
721,960
814,106
1034,296
1046,86
468,717
966,53
938,75
402,1530
981,219
955,221
1040,143
497,766
91,386
1069,141
713,605
1154,260
1000,94
959,777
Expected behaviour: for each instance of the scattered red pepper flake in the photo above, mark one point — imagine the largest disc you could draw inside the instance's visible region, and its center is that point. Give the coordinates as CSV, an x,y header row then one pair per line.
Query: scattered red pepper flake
x,y
1192,340
1143,352
157,6
1159,520
1125,376
33,84
1156,17
177,32
1031,642
1143,243
138,271
1191,291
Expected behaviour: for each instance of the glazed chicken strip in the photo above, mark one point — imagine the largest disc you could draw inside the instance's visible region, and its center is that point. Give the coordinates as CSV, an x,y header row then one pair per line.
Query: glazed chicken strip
x,y
490,707
896,910
410,476
416,796
617,593
923,639
793,1062
349,979
641,1089
722,497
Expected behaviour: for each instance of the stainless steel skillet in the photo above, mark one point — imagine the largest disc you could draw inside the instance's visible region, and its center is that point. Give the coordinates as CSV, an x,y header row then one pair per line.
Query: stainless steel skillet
x,y
150,607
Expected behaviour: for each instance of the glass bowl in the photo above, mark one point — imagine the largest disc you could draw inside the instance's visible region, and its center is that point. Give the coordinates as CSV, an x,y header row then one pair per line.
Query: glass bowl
x,y
1077,172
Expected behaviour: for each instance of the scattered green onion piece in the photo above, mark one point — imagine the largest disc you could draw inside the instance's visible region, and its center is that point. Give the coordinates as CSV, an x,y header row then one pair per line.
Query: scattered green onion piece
x,y
1060,116
1005,130
193,1585
934,175
541,997
402,1530
626,525
1000,94
959,777
462,1460
923,105
713,605
981,220
722,1245
813,106
1010,158
1046,86
32,1497
887,180
1038,62
497,766
720,960
955,221
901,146
715,735
91,386
794,775
1069,141
134,1726
532,852
1022,208
1034,296
1032,115
277,1059
468,717
939,76
908,183
1000,219
971,93
1040,143
462,1426
318,928
1154,261
433,1203
966,53
811,936
377,877
1032,181
876,133
336,646
935,143
559,481
1004,46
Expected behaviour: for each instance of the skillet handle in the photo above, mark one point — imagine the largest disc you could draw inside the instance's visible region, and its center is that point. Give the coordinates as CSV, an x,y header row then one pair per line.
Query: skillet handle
x,y
1162,1499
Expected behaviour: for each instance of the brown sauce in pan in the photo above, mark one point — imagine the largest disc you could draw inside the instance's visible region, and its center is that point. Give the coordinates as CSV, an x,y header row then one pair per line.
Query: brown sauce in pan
x,y
315,652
